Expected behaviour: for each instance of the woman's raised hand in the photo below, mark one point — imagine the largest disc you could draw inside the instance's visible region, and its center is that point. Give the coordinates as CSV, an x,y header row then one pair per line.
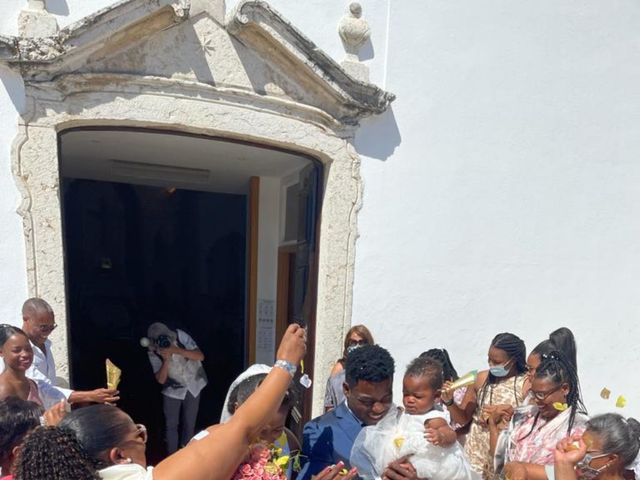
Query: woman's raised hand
x,y
55,414
293,345
570,450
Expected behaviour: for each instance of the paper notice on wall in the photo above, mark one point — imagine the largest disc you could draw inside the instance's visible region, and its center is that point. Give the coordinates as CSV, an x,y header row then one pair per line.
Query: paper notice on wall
x,y
266,331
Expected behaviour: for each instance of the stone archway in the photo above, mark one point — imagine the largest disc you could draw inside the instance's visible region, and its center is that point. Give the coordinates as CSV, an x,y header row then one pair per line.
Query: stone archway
x,y
284,100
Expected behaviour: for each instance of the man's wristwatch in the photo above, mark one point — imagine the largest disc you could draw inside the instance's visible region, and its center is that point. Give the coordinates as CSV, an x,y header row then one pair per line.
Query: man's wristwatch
x,y
447,404
289,367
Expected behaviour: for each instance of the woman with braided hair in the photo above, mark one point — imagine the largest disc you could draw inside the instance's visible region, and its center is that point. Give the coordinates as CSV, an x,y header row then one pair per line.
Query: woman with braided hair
x,y
560,340
496,392
53,453
526,448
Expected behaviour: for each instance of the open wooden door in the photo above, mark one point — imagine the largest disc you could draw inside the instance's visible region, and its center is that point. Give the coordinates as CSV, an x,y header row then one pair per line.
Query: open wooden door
x,y
297,281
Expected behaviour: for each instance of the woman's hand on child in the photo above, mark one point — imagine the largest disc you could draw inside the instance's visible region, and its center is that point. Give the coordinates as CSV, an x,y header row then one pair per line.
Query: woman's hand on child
x,y
400,469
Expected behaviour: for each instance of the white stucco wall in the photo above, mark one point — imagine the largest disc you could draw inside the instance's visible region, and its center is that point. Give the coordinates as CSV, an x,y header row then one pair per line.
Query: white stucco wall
x,y
511,202
13,279
501,192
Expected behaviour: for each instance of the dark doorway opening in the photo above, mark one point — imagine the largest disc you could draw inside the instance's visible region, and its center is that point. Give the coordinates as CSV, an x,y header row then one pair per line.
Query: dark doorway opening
x,y
139,254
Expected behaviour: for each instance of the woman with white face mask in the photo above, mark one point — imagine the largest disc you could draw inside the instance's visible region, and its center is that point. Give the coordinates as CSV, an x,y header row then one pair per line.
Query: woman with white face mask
x,y
605,451
496,393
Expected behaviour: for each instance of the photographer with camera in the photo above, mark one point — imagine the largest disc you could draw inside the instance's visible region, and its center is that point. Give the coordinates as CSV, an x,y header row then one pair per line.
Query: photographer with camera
x,y
177,363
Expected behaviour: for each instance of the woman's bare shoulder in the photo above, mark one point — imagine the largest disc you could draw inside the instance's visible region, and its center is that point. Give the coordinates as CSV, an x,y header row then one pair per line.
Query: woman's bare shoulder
x,y
337,368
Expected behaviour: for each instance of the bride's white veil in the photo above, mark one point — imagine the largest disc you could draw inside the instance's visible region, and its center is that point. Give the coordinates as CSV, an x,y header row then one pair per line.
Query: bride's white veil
x,y
256,369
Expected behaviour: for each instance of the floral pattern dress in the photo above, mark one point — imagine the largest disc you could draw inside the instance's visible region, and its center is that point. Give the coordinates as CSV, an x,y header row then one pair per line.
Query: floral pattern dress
x,y
505,392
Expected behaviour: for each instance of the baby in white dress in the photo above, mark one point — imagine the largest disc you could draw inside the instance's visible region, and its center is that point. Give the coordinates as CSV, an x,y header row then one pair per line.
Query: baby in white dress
x,y
420,431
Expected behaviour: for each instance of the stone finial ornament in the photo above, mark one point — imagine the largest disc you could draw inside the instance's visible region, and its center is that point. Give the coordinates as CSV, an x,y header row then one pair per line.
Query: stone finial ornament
x,y
354,32
36,21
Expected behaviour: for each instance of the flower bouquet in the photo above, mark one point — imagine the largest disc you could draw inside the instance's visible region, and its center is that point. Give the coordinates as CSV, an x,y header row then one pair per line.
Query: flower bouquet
x,y
264,462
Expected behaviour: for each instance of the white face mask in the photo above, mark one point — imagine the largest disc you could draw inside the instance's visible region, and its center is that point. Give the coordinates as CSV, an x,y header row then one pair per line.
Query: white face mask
x,y
585,471
500,370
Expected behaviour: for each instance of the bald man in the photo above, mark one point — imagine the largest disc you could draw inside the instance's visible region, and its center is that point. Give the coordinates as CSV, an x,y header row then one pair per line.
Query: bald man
x,y
38,321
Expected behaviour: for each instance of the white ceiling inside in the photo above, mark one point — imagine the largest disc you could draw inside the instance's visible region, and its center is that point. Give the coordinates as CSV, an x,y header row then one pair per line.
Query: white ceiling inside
x,y
170,160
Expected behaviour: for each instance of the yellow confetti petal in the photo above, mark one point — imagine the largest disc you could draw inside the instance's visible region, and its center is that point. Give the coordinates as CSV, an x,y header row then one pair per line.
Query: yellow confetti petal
x,y
561,407
344,471
282,461
572,446
605,393
282,439
621,402
398,442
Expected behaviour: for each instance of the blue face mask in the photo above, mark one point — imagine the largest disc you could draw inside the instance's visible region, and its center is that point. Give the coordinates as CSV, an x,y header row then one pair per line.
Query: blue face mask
x,y
499,370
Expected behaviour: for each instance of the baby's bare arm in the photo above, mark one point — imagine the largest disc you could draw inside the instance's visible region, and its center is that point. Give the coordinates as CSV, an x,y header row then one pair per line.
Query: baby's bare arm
x,y
438,432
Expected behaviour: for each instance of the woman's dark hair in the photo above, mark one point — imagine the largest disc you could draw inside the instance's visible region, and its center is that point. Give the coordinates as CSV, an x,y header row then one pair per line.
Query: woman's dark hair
x,y
428,368
558,370
245,389
515,349
55,454
441,355
98,428
360,330
561,340
617,435
7,331
370,363
17,418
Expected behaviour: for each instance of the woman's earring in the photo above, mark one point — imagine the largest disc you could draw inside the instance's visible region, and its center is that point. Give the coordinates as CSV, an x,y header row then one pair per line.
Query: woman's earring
x,y
128,460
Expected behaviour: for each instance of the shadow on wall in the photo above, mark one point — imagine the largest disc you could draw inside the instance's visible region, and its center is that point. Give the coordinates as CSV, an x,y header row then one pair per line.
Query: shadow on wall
x,y
13,84
58,7
378,136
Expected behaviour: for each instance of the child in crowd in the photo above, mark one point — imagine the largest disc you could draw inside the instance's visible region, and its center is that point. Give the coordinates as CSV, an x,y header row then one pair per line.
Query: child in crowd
x,y
420,431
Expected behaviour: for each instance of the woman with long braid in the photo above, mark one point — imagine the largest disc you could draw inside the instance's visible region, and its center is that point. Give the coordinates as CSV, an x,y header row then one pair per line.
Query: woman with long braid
x,y
560,340
527,446
497,392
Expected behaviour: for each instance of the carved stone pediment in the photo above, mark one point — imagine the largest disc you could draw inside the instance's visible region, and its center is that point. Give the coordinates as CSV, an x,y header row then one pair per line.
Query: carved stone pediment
x,y
254,52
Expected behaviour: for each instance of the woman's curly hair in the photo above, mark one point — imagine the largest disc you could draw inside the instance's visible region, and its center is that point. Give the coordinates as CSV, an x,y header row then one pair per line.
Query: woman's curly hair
x,y
55,454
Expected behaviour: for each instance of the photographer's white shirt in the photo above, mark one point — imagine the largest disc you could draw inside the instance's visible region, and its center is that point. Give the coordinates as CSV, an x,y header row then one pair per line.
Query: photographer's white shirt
x,y
184,375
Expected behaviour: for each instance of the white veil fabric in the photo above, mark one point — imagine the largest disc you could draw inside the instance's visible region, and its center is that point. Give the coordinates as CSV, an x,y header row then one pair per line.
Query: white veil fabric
x,y
255,369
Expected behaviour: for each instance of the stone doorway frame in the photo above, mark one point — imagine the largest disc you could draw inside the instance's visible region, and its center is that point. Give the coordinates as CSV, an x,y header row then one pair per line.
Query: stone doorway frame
x,y
308,105
140,103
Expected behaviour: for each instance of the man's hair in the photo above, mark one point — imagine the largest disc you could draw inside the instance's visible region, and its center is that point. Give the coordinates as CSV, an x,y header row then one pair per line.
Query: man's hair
x,y
370,363
35,306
